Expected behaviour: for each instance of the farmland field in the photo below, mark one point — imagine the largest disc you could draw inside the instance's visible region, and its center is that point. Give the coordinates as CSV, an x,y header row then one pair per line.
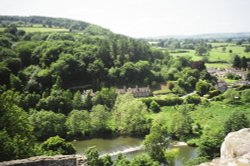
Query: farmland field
x,y
217,56
40,29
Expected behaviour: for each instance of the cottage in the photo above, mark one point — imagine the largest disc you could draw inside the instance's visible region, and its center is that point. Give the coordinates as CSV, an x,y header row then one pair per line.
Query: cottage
x,y
137,92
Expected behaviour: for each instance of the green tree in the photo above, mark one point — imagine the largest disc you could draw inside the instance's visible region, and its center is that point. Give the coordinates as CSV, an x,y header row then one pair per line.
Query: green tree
x,y
47,124
106,161
15,82
202,87
93,157
237,62
209,145
79,123
121,160
154,106
181,123
202,49
157,141
105,97
193,99
77,101
171,155
236,121
16,138
99,119
244,62
4,74
245,95
129,115
56,145
143,160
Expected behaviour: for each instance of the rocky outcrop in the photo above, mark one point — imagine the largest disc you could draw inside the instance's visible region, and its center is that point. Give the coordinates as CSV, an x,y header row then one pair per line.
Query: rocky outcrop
x,y
235,150
59,160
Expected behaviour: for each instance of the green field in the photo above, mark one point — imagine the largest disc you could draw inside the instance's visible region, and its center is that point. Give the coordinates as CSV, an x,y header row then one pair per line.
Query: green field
x,y
40,29
217,56
210,117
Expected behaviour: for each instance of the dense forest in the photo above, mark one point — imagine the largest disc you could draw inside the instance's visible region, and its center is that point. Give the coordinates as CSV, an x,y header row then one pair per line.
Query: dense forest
x,y
62,85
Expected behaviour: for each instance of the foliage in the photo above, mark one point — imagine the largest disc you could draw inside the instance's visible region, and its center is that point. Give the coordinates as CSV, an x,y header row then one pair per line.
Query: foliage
x,y
16,139
121,160
202,87
93,157
157,141
181,123
236,121
193,99
56,145
47,124
105,97
209,145
78,123
154,106
99,119
171,155
236,62
129,115
197,161
143,160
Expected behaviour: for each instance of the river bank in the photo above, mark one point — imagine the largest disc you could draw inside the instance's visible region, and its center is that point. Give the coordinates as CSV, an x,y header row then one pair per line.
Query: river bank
x,y
130,147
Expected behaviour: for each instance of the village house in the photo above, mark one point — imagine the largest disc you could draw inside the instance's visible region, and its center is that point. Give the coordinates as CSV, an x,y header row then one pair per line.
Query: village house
x,y
137,92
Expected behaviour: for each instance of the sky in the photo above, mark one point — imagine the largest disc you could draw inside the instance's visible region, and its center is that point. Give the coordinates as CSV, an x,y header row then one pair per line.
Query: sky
x,y
143,18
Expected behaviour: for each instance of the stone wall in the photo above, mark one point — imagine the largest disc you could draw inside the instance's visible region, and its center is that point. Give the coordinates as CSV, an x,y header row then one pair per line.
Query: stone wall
x,y
235,150
59,160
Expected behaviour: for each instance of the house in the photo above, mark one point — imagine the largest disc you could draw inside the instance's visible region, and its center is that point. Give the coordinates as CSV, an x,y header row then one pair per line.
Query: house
x,y
137,92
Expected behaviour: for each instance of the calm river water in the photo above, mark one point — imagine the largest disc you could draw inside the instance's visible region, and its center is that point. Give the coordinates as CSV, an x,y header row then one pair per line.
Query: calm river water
x,y
128,144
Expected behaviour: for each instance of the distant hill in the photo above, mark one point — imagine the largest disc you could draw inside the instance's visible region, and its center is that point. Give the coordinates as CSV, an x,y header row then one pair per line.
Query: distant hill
x,y
49,22
238,35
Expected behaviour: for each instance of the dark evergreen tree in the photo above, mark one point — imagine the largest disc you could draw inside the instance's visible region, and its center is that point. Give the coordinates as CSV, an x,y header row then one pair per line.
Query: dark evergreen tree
x,y
237,62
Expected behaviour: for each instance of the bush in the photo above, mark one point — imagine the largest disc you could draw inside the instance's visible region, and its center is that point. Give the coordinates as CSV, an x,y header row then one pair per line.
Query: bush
x,y
193,142
202,87
57,145
213,93
245,95
154,106
147,101
236,121
197,161
193,99
169,101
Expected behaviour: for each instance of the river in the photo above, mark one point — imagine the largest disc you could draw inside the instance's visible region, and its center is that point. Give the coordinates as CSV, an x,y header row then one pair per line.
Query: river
x,y
130,146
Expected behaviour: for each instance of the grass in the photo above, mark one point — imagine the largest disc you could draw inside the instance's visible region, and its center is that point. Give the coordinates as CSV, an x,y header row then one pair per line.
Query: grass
x,y
229,81
40,29
218,65
217,58
210,116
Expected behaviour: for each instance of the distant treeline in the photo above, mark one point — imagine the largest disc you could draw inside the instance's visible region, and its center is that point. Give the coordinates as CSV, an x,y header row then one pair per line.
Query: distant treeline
x,y
44,21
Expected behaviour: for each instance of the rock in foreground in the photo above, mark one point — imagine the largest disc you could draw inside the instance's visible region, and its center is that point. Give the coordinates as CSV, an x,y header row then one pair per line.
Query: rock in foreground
x,y
235,150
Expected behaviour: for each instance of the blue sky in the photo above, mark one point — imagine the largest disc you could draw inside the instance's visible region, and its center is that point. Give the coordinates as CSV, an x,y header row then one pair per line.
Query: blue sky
x,y
143,18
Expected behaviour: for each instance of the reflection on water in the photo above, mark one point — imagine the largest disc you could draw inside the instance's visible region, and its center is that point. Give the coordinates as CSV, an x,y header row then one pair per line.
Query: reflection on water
x,y
112,145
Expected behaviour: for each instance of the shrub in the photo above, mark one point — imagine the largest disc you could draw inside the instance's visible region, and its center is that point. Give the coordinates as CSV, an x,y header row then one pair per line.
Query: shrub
x,y
57,145
193,99
169,101
213,93
154,106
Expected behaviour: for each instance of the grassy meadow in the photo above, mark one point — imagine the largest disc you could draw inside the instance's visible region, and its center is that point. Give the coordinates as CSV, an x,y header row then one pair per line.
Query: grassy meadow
x,y
218,57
